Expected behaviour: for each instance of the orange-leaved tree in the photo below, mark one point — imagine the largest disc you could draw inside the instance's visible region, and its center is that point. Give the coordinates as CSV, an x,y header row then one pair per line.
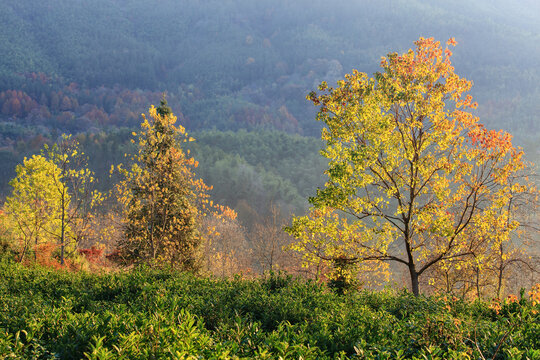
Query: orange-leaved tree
x,y
415,176
162,199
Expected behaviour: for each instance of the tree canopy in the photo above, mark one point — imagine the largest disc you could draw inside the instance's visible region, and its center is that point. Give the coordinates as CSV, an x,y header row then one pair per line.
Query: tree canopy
x,y
34,208
417,179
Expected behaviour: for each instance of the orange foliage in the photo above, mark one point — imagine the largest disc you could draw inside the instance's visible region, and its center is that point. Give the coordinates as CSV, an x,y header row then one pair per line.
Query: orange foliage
x,y
16,103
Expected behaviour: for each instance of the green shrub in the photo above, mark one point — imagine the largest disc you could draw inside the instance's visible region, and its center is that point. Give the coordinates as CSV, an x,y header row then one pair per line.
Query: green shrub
x,y
143,314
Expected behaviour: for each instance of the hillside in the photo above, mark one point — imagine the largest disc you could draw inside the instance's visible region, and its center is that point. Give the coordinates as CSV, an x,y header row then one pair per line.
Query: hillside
x,y
225,57
76,67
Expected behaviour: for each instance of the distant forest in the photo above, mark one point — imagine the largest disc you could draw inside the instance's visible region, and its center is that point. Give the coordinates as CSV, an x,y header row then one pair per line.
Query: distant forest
x,y
236,73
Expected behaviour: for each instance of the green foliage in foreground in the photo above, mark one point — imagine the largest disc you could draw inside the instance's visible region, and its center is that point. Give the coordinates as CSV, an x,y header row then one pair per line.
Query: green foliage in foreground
x,y
153,315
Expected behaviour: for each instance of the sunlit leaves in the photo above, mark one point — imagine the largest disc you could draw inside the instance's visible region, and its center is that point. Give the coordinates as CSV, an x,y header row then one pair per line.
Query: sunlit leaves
x,y
162,199
52,200
325,236
33,208
406,154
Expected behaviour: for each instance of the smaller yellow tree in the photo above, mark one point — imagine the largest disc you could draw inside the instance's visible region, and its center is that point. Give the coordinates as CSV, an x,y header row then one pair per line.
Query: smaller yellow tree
x,y
33,210
75,193
52,200
162,199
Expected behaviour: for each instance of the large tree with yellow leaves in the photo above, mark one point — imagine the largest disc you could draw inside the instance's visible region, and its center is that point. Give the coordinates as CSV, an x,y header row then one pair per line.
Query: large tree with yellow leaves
x,y
413,175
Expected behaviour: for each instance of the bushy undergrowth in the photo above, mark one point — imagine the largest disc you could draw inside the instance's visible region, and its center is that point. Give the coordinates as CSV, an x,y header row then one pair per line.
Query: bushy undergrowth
x,y
145,314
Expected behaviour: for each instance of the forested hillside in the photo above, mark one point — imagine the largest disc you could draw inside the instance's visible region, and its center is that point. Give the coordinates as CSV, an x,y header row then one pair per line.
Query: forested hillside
x,y
93,68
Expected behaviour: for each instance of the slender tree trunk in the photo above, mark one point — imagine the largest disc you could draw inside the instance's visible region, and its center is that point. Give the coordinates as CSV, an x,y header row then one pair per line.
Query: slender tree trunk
x,y
500,272
499,281
272,258
477,282
151,218
36,240
63,227
26,245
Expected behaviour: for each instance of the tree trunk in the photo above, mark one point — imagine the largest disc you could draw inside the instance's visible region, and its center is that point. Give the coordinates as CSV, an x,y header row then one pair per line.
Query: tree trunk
x,y
63,228
26,245
36,240
499,281
477,282
500,272
414,280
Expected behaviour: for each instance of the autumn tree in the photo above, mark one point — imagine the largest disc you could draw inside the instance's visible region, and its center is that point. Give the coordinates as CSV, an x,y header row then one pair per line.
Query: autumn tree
x,y
33,208
269,242
486,272
52,199
75,192
415,176
163,200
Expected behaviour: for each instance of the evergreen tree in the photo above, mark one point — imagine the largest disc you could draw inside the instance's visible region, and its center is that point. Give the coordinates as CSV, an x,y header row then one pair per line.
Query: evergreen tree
x,y
163,201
